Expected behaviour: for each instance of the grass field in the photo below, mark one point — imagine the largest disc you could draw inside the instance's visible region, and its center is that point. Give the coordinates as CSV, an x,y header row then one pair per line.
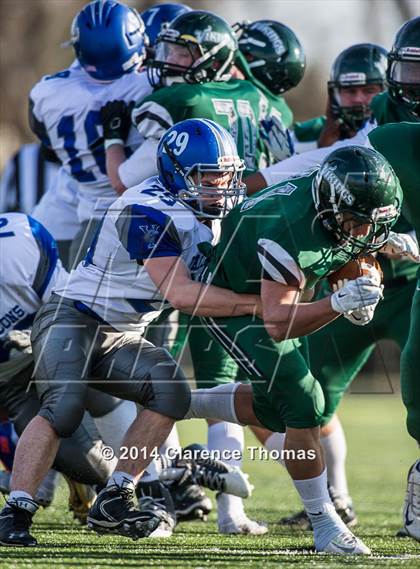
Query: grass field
x,y
380,453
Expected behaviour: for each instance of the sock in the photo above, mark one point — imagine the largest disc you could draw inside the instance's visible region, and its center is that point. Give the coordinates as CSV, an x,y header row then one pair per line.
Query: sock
x,y
335,450
275,444
227,438
113,426
172,443
326,523
18,495
121,479
215,403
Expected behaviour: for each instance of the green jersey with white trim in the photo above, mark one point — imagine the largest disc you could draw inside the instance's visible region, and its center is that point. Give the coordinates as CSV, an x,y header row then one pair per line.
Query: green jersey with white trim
x,y
275,235
400,144
385,110
236,105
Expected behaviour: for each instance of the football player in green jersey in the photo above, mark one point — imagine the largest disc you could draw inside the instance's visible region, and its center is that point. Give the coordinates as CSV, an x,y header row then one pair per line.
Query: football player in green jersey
x,y
401,101
400,143
191,75
336,369
191,68
280,243
271,57
357,75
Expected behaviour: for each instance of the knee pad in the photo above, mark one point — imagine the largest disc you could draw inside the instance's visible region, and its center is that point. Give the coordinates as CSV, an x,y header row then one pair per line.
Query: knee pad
x,y
65,415
81,457
166,389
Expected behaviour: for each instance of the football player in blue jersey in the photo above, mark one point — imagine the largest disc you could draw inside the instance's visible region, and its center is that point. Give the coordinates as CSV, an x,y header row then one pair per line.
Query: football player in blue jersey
x,y
108,40
144,257
159,17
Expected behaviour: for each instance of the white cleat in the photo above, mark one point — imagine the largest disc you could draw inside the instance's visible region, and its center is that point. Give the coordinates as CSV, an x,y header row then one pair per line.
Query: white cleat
x,y
346,544
236,483
242,525
411,511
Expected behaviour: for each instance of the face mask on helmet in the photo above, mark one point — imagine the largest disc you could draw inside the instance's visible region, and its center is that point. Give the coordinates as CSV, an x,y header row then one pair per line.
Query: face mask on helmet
x,y
355,224
357,75
210,188
403,73
174,60
196,48
404,77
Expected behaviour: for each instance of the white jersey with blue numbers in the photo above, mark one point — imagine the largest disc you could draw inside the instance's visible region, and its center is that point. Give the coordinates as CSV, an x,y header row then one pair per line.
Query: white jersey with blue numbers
x,y
146,222
66,114
29,269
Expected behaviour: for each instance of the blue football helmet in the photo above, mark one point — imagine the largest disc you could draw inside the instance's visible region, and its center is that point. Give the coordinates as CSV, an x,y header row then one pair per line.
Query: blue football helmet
x,y
187,152
160,16
108,39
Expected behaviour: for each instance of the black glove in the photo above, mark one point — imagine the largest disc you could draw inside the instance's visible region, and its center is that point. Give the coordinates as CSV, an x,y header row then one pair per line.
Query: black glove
x,y
116,119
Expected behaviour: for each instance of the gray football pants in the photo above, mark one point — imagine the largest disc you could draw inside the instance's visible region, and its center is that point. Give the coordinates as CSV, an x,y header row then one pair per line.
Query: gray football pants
x,y
73,351
79,457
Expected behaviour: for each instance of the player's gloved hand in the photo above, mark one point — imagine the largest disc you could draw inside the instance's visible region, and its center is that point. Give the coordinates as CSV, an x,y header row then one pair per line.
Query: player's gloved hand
x,y
116,121
18,342
277,138
361,316
403,245
356,294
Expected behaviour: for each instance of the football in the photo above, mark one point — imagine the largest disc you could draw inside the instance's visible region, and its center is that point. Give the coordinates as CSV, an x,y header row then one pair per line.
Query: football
x,y
356,268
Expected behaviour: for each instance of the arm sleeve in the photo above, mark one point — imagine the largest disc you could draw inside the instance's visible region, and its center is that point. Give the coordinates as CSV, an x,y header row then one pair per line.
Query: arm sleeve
x,y
141,164
147,233
40,130
307,161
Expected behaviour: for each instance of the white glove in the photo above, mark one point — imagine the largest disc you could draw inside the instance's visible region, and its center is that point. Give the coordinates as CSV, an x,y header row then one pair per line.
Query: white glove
x,y
277,138
402,244
355,294
19,343
361,316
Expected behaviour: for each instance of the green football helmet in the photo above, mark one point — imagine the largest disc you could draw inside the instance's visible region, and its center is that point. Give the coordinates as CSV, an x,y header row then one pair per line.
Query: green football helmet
x,y
357,182
273,53
196,47
403,73
359,64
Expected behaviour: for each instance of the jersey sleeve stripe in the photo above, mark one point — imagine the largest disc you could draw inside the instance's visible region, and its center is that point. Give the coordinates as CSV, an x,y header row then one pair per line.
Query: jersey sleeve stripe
x,y
48,257
278,264
147,115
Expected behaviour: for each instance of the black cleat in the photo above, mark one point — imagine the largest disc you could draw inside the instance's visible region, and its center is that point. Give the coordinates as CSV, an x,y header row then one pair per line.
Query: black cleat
x,y
344,509
298,520
196,467
15,521
191,502
114,511
155,498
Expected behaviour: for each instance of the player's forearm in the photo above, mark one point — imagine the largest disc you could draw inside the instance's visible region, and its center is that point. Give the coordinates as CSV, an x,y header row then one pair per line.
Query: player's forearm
x,y
207,300
115,156
254,183
296,320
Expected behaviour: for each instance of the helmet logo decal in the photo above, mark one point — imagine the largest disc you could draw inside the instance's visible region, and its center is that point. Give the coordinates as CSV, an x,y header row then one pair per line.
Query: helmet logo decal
x,y
337,185
209,35
134,59
352,78
272,37
409,52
